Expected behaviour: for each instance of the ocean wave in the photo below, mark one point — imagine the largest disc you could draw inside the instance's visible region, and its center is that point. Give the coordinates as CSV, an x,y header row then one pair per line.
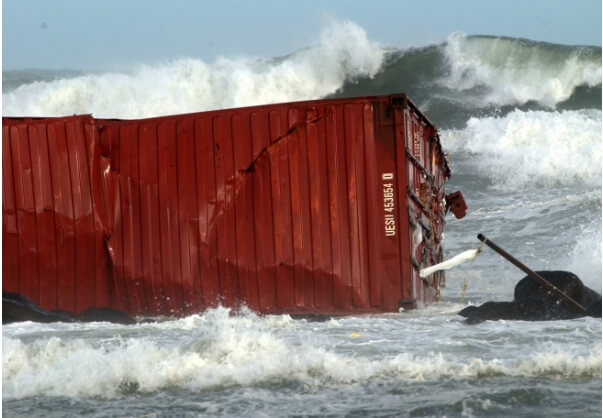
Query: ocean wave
x,y
449,81
217,350
528,149
515,71
343,53
469,75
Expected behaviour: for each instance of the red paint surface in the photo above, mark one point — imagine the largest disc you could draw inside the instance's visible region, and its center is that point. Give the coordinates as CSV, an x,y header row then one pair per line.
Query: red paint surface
x,y
279,207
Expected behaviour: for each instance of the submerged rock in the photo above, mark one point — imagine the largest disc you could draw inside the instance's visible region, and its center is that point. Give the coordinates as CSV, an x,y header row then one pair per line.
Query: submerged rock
x,y
106,315
17,308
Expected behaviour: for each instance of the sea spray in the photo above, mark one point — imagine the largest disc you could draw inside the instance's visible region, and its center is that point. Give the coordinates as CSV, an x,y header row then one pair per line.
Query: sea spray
x,y
585,257
450,81
218,350
190,85
531,149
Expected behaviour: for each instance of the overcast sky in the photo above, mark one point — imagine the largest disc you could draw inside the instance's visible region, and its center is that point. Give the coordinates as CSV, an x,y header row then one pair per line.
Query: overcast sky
x,y
115,34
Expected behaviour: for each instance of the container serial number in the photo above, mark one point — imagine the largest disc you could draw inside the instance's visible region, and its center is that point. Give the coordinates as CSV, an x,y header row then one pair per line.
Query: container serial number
x,y
389,205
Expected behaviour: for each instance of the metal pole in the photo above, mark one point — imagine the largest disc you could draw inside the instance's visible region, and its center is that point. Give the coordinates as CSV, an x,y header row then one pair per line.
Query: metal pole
x,y
531,273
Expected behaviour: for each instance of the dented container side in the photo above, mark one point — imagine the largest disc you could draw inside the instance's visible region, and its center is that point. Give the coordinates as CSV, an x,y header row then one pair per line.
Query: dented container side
x,y
53,249
318,207
285,203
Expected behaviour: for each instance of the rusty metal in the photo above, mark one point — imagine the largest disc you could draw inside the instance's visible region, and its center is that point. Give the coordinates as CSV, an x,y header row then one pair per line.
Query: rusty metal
x,y
456,203
327,206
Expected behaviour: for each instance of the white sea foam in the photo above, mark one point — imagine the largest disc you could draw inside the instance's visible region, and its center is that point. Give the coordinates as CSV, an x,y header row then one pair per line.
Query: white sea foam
x,y
190,85
515,71
585,259
218,350
533,148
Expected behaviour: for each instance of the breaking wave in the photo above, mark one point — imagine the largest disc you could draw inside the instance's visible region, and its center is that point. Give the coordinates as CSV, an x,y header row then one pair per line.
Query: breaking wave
x,y
449,81
527,149
190,85
218,350
515,71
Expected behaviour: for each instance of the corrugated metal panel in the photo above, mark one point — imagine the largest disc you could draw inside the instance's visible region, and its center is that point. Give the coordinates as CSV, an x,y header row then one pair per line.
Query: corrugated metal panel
x,y
327,206
53,249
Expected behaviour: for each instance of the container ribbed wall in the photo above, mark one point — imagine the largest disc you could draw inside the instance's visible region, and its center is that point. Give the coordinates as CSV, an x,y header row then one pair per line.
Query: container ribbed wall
x,y
328,206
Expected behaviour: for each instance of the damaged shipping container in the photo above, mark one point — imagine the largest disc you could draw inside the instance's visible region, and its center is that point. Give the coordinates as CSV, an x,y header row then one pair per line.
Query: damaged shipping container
x,y
328,206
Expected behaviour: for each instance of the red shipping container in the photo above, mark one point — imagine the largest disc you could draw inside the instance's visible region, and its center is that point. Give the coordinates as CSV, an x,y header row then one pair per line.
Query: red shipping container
x,y
327,206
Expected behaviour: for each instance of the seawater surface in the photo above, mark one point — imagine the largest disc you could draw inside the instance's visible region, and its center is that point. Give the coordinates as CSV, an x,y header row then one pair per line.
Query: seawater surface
x,y
420,363
521,121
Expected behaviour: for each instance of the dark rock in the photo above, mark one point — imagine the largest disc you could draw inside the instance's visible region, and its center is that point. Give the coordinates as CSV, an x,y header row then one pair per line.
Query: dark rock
x,y
66,314
312,317
594,309
533,302
106,315
17,308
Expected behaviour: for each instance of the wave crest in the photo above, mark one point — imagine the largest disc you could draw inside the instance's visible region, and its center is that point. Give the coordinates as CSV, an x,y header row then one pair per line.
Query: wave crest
x,y
526,149
190,85
515,71
216,350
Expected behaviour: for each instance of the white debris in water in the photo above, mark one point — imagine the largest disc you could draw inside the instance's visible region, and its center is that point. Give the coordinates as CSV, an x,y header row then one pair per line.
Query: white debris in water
x,y
454,261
